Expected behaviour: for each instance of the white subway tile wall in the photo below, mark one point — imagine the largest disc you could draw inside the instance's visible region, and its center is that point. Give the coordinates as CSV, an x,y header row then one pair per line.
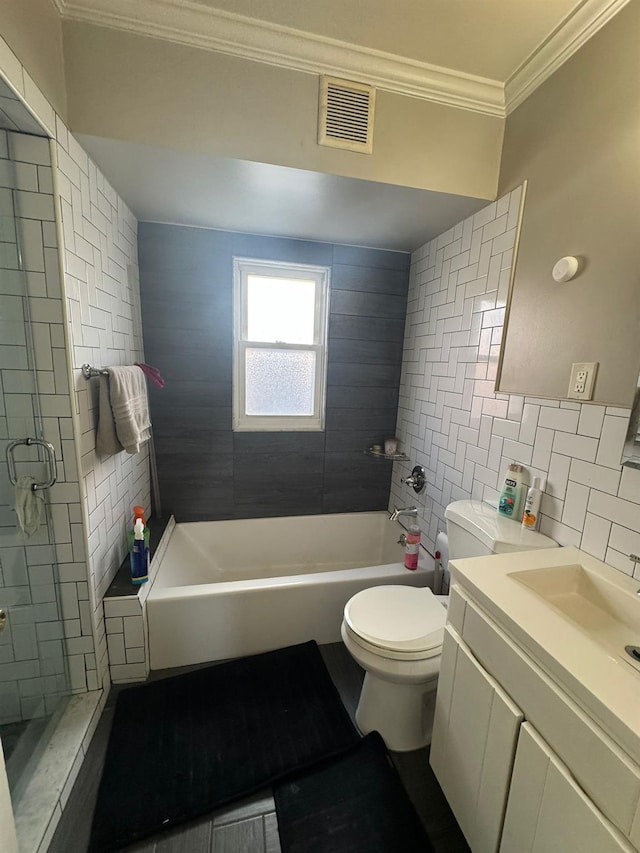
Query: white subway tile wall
x,y
451,421
127,638
104,327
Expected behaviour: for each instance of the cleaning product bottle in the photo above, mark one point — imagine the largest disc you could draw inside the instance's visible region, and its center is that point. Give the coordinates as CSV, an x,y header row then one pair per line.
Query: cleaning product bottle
x,y
412,548
139,554
531,514
510,502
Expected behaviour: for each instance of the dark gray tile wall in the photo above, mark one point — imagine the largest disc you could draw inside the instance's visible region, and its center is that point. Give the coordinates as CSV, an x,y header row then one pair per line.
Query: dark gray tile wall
x,y
205,470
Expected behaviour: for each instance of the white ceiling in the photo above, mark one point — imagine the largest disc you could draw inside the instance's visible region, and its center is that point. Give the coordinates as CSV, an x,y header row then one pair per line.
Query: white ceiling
x,y
488,38
162,185
509,42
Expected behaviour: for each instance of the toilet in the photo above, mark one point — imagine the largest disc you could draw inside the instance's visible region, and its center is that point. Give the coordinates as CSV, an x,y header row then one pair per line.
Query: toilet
x,y
395,633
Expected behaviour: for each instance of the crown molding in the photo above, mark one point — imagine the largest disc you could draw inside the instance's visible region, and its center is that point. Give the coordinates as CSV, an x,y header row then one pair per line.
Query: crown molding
x,y
188,23
568,38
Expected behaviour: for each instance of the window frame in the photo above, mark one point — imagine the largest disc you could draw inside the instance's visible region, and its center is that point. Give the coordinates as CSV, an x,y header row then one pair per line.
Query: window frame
x,y
242,269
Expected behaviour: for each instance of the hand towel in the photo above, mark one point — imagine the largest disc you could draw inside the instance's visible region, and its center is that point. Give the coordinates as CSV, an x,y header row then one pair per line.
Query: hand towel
x,y
130,406
29,505
152,374
107,443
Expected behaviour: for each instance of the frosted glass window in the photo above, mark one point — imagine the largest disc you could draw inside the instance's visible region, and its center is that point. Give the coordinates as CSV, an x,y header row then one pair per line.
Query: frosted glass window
x,y
280,345
280,309
280,382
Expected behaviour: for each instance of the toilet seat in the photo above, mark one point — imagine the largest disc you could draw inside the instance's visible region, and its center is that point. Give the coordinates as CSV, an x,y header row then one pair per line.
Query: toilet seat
x,y
396,622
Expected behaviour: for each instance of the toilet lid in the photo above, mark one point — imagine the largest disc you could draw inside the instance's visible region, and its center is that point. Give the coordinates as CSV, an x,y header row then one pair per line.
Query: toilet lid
x,y
402,618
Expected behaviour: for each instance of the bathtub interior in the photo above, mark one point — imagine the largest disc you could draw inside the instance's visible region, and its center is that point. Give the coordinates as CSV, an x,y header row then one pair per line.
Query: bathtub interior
x,y
263,548
228,589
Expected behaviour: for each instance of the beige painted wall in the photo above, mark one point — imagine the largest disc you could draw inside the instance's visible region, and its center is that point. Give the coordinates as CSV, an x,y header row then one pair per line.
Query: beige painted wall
x,y
577,141
145,90
33,30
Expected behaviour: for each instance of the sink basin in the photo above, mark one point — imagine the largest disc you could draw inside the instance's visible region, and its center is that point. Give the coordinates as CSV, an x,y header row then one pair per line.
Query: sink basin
x,y
608,611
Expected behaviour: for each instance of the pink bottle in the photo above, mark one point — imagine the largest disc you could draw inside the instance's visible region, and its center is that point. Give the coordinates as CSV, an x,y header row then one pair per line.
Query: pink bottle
x,y
412,548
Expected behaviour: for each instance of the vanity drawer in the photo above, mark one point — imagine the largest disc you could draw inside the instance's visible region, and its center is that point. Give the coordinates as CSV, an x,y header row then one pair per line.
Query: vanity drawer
x,y
600,767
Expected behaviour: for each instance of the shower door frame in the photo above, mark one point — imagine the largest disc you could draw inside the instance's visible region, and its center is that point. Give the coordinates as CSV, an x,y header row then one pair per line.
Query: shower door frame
x,y
48,771
40,576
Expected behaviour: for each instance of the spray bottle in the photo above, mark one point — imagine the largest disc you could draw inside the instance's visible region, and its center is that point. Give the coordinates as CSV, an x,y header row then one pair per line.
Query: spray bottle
x,y
412,548
139,547
139,555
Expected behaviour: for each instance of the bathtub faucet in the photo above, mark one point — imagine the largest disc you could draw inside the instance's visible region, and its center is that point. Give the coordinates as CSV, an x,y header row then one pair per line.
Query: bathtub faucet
x,y
411,511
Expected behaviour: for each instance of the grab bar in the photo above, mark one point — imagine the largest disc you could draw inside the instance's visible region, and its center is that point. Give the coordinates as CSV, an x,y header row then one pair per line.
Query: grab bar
x,y
51,461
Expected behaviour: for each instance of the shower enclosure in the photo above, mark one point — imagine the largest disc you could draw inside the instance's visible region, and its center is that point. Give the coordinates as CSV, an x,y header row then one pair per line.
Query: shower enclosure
x,y
34,681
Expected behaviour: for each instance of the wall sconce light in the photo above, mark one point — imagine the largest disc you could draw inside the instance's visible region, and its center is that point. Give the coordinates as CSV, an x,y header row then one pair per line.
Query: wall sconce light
x,y
565,269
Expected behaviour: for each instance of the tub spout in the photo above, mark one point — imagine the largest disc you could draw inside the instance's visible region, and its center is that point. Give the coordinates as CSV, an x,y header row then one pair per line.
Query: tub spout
x,y
411,511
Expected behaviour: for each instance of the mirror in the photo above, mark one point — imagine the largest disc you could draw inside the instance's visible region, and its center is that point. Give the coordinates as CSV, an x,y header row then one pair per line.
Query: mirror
x,y
631,451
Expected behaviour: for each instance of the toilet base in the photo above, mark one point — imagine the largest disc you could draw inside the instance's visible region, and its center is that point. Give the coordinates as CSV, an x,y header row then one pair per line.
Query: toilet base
x,y
401,713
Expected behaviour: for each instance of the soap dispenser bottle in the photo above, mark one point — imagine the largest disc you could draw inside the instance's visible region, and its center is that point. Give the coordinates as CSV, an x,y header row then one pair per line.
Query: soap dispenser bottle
x,y
510,501
412,547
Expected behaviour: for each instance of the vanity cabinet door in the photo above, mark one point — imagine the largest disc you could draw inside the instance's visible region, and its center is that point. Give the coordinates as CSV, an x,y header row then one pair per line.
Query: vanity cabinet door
x,y
547,812
474,741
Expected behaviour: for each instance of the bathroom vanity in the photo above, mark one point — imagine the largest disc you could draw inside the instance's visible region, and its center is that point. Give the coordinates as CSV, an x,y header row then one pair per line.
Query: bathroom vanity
x,y
536,739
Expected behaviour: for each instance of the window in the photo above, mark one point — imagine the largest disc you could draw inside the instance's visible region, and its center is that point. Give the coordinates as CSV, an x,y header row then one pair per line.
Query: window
x,y
280,352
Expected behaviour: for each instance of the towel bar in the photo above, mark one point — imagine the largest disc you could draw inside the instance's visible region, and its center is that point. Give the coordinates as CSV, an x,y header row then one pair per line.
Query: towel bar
x,y
88,372
51,461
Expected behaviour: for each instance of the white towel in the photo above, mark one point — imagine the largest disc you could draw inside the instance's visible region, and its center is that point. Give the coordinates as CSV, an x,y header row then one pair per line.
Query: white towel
x,y
107,443
29,505
124,411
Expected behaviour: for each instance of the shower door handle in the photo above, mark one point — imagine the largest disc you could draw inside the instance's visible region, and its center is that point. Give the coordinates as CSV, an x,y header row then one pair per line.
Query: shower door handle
x,y
3,620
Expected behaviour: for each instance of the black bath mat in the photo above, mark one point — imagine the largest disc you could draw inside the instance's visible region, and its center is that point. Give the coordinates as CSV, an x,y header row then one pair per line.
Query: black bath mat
x,y
184,745
354,803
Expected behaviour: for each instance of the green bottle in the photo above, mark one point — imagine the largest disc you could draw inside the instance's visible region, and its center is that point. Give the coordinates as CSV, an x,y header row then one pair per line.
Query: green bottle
x,y
510,503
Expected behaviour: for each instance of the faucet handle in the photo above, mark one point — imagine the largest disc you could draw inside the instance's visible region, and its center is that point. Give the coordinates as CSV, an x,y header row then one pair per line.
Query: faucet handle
x,y
416,480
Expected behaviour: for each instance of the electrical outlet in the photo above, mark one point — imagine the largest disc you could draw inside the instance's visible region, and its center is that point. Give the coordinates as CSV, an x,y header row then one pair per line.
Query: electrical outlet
x,y
583,376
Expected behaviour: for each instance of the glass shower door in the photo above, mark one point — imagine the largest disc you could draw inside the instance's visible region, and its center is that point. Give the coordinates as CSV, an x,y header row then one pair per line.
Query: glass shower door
x,y
34,683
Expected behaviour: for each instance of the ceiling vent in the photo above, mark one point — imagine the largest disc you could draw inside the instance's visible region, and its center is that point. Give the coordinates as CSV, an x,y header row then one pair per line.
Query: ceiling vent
x,y
345,118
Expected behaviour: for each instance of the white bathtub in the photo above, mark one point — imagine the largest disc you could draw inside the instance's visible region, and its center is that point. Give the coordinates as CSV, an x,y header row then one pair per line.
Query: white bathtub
x,y
224,589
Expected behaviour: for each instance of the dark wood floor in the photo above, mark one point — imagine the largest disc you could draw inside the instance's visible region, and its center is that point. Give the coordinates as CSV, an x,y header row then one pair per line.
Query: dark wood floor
x,y
250,826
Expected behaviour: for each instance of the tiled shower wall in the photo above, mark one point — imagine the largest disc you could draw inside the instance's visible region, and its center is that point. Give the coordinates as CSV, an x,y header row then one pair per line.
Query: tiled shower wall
x,y
104,328
32,648
99,323
451,421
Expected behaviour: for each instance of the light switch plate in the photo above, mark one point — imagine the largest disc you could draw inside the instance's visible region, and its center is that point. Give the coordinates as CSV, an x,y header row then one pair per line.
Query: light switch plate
x,y
583,377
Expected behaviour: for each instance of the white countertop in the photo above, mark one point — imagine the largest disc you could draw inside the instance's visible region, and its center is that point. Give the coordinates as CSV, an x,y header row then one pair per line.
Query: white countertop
x,y
603,683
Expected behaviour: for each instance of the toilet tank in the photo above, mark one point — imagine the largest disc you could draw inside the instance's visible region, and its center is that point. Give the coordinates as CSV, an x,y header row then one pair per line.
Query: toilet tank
x,y
475,529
